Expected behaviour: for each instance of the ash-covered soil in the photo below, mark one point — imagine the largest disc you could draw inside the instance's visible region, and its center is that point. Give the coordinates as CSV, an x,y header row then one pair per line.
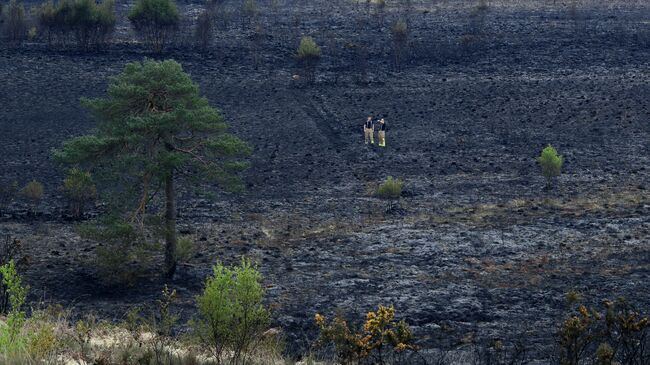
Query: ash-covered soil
x,y
478,251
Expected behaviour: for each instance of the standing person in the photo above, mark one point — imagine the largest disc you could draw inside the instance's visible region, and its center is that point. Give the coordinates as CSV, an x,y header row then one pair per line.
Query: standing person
x,y
369,130
382,133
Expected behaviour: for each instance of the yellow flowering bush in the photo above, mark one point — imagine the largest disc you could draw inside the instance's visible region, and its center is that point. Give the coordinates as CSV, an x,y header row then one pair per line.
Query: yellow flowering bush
x,y
381,340
587,334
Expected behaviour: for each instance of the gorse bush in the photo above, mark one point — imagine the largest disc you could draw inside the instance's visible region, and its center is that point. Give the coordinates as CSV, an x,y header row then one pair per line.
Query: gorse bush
x,y
79,188
619,334
308,56
155,21
90,24
551,164
232,317
382,340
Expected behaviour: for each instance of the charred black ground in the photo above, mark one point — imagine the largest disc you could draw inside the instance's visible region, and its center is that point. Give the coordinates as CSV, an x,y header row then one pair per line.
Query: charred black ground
x,y
479,248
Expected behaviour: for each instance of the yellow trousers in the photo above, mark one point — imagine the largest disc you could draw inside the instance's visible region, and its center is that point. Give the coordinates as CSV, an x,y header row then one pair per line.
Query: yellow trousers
x,y
382,138
369,135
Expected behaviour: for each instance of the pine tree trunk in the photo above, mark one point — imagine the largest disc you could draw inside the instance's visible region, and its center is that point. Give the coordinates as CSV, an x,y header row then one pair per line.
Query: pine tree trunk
x,y
170,226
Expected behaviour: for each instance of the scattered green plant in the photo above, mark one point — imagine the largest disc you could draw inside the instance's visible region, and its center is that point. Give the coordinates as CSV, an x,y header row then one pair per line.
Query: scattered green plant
x,y
155,21
390,189
33,193
308,56
551,164
232,317
79,188
185,249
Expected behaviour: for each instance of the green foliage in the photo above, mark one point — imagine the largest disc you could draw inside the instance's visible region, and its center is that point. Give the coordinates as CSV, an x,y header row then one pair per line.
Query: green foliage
x,y
383,340
90,23
185,248
231,315
155,21
8,192
153,124
13,23
123,251
308,56
551,163
33,192
390,189
79,188
11,339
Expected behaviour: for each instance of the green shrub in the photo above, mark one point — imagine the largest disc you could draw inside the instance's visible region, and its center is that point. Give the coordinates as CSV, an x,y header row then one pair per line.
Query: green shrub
x,y
8,192
250,10
79,188
231,315
122,254
184,248
90,23
390,188
13,23
33,192
11,338
551,164
155,21
308,56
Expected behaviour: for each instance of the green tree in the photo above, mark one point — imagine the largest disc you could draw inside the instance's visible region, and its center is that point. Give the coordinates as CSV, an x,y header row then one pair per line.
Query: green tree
x,y
232,316
551,164
154,129
155,20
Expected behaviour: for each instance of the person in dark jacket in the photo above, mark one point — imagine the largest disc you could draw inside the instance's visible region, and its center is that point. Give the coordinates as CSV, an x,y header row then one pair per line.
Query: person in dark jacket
x,y
382,132
369,130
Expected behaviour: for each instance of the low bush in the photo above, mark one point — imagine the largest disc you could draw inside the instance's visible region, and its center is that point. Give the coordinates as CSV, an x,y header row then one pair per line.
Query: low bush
x,y
122,254
184,249
156,21
14,23
308,57
382,340
232,317
390,189
551,164
33,193
89,23
80,190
